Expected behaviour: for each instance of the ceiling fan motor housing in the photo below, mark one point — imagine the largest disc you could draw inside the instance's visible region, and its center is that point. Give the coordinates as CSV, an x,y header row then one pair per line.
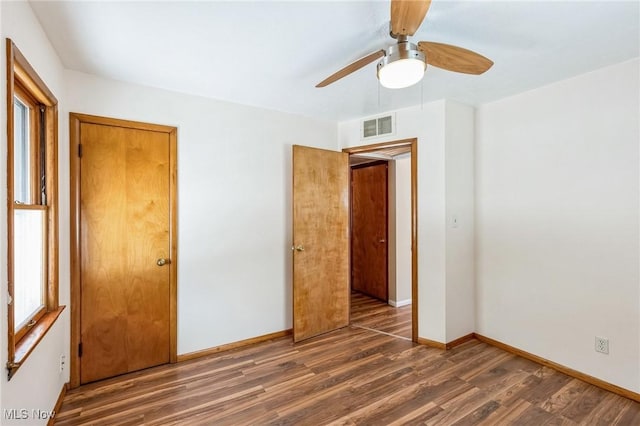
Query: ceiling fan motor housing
x,y
406,52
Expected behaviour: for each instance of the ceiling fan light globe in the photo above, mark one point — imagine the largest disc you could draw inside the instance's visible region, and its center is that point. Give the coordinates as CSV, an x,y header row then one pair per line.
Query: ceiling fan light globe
x,y
402,66
401,73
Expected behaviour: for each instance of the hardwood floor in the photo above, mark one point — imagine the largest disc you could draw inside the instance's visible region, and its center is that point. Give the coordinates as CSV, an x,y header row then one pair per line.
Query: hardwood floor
x,y
352,376
368,312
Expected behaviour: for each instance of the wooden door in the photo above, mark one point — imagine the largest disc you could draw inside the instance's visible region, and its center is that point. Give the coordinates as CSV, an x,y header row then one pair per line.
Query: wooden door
x,y
369,230
125,249
321,241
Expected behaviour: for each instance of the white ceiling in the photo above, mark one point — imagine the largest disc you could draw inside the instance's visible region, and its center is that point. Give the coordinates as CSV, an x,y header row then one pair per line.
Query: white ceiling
x,y
271,54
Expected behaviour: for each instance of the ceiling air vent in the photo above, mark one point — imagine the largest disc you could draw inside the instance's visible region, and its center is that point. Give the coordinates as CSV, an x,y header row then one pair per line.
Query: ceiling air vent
x,y
379,126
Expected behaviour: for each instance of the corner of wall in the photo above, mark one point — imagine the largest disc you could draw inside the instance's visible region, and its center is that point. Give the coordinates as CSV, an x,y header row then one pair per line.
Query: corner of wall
x,y
460,219
558,184
18,22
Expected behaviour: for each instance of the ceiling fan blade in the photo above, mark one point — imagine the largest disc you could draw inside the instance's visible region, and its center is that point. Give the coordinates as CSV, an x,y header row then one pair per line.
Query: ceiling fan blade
x,y
454,58
354,66
407,15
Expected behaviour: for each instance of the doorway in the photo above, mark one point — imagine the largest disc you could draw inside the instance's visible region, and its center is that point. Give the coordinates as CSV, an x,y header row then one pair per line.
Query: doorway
x,y
123,233
394,310
369,229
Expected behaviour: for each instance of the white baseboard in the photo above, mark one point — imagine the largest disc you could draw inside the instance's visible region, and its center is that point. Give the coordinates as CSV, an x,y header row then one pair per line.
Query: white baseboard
x,y
398,303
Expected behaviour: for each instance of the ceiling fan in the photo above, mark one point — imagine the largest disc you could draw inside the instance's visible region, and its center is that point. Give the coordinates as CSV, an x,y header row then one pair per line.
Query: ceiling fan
x,y
404,63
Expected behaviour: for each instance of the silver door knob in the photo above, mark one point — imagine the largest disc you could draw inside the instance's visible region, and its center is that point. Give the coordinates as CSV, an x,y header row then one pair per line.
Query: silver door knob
x,y
299,247
382,241
162,262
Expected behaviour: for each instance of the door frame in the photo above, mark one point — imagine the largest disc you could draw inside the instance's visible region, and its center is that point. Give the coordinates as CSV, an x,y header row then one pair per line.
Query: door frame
x,y
75,119
413,144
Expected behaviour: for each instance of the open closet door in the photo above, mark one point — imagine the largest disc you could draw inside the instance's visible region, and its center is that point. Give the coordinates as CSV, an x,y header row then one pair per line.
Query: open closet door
x,y
320,241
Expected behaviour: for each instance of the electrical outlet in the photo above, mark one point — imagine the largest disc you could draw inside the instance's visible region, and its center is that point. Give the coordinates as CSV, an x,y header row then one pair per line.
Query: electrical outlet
x,y
63,361
602,345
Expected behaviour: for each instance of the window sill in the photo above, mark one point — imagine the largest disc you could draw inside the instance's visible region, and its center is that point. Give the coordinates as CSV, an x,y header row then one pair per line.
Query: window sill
x,y
30,340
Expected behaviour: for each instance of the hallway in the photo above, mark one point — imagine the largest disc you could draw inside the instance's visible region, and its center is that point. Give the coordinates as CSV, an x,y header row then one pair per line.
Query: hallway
x,y
373,314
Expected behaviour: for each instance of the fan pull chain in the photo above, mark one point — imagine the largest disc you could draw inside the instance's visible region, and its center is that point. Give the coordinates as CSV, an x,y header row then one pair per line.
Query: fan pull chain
x,y
422,95
379,96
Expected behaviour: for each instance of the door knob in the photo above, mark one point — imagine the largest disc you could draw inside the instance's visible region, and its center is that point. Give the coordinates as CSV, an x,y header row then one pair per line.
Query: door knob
x,y
162,262
382,241
299,247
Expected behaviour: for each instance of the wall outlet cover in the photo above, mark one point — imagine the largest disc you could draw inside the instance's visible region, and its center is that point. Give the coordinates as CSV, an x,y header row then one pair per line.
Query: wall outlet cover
x,y
602,345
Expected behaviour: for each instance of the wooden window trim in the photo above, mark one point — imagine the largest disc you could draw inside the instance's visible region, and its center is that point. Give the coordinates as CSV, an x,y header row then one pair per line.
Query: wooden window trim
x,y
34,143
33,319
37,316
30,207
31,339
22,79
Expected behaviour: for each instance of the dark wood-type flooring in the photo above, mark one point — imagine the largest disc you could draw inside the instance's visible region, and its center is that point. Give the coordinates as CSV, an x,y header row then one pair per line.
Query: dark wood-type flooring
x,y
368,312
353,376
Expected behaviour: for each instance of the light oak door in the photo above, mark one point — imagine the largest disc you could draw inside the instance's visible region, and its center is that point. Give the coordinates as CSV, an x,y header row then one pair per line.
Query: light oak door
x,y
125,264
369,230
320,241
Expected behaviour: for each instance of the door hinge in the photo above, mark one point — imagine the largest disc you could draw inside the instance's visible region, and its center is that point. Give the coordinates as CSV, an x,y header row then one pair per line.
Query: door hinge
x,y
80,349
80,150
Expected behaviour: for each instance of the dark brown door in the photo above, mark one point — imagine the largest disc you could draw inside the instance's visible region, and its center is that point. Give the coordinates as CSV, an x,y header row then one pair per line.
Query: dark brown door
x,y
320,241
124,248
369,264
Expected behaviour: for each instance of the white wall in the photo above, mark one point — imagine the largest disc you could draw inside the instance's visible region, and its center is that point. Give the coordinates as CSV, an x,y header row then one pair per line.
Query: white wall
x,y
557,208
399,230
557,178
3,170
391,232
460,228
428,124
234,203
37,384
234,206
402,226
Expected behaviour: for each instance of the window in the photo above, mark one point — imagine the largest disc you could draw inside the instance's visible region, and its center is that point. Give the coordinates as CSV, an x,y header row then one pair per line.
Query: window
x,y
32,214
